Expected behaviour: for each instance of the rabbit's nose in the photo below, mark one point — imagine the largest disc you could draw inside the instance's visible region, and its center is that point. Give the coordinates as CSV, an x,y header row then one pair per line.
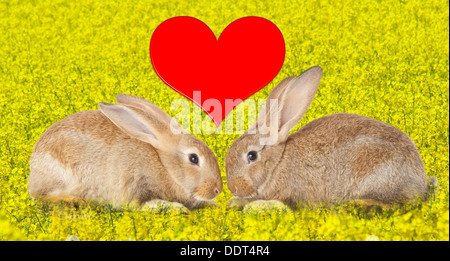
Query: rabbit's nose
x,y
218,188
208,190
231,187
240,187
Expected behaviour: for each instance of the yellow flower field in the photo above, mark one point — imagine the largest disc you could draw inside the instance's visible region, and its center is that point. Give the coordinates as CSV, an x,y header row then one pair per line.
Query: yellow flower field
x,y
388,60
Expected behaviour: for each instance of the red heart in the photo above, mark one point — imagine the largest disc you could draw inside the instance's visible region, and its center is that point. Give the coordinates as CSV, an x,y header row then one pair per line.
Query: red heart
x,y
187,56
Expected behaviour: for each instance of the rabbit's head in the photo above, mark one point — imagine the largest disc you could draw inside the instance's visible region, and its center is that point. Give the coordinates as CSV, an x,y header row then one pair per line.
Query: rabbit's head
x,y
252,157
189,162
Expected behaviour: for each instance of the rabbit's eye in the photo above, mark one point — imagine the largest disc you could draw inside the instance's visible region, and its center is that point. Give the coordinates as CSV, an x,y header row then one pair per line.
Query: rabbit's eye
x,y
252,155
193,158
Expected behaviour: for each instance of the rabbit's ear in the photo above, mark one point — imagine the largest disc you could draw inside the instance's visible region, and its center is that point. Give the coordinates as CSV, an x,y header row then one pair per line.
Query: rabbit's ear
x,y
142,104
296,99
147,129
150,108
277,91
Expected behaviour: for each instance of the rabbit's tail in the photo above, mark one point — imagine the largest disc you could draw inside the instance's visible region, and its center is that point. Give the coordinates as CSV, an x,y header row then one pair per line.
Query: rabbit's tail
x,y
432,187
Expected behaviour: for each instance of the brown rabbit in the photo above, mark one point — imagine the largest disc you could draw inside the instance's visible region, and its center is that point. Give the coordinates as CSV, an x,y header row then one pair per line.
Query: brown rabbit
x,y
336,158
123,153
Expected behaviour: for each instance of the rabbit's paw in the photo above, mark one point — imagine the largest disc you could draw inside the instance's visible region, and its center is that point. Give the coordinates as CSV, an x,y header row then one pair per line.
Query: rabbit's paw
x,y
265,205
237,203
207,204
163,206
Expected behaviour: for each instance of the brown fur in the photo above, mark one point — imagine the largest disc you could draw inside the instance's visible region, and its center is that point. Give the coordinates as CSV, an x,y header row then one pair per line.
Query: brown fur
x,y
87,155
339,157
240,186
368,157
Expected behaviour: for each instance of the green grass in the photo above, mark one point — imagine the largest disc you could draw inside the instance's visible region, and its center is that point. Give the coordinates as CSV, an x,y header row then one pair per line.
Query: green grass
x,y
383,59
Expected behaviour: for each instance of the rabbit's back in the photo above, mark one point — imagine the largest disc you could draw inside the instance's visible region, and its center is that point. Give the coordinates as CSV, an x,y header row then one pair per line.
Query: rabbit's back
x,y
348,156
91,125
85,155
